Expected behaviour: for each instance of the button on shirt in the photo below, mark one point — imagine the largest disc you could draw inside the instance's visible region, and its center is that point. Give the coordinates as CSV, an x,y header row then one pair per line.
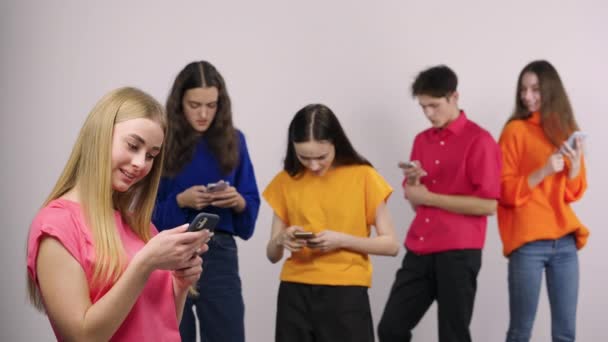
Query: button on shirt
x,y
461,159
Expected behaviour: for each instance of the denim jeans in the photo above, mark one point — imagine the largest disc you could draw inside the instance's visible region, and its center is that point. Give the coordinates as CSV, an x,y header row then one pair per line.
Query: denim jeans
x,y
559,260
219,306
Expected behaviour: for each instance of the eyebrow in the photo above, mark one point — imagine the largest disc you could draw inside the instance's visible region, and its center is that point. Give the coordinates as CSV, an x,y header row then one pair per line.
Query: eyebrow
x,y
142,141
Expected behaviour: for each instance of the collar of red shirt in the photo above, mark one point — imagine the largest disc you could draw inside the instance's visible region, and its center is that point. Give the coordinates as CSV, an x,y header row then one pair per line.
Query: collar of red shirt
x,y
456,126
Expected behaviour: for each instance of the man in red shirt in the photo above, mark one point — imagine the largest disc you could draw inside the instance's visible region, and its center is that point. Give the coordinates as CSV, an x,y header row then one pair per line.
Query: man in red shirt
x,y
453,183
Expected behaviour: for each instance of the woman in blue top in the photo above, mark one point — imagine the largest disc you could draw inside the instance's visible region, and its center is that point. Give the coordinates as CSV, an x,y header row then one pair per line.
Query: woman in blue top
x,y
203,147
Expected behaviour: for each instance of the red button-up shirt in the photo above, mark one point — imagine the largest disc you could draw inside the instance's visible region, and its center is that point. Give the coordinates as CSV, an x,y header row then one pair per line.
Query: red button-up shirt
x,y
460,159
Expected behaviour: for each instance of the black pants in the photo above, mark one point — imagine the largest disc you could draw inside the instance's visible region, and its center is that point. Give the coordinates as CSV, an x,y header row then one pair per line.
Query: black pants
x,y
320,313
448,277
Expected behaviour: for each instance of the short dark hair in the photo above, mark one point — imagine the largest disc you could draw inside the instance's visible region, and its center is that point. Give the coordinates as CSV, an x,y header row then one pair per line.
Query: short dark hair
x,y
317,122
438,81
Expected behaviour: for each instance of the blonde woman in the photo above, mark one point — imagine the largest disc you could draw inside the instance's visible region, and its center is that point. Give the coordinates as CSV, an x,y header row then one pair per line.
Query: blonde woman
x,y
96,265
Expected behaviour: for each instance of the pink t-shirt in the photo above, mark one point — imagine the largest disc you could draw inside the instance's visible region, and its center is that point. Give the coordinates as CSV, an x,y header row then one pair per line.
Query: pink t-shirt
x,y
153,317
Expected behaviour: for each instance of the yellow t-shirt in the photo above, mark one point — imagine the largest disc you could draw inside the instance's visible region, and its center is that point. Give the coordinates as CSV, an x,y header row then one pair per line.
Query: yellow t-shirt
x,y
344,199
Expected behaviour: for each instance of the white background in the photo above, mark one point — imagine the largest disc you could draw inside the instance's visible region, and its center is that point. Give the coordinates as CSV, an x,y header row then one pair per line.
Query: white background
x,y
59,57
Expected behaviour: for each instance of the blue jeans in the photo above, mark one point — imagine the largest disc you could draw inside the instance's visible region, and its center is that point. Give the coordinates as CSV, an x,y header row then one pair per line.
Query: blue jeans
x,y
559,260
219,306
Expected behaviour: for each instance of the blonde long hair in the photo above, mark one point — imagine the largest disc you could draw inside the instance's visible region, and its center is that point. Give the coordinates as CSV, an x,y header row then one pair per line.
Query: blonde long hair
x,y
89,167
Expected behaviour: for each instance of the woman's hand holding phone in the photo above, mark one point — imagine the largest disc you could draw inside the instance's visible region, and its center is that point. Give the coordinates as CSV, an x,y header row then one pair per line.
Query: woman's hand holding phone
x,y
195,197
574,152
174,249
288,239
228,198
327,241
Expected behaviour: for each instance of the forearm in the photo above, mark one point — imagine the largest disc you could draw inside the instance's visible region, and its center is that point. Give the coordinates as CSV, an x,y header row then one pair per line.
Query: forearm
x,y
104,317
274,250
180,296
378,245
465,205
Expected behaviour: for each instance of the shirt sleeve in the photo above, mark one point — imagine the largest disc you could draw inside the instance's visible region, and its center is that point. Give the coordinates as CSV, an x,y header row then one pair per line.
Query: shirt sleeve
x,y
377,191
576,187
246,185
275,197
167,213
484,167
55,223
515,190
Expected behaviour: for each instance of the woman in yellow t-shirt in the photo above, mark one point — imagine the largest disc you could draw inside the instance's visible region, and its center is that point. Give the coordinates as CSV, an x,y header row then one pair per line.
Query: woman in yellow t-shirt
x,y
330,192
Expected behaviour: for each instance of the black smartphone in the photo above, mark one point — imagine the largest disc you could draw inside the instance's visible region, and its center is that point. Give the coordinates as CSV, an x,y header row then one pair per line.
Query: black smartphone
x,y
204,221
304,235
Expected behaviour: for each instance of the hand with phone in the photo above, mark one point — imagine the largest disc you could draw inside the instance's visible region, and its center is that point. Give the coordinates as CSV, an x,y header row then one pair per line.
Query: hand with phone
x,y
174,249
412,172
202,221
195,197
223,195
292,238
219,186
327,241
573,150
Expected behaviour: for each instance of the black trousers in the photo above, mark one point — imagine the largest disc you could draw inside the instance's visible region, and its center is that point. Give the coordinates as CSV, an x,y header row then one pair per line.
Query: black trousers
x,y
320,313
448,277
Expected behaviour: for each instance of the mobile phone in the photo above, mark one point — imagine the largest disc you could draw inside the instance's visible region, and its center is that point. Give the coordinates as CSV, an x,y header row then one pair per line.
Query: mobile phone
x,y
204,221
304,235
406,165
219,186
572,139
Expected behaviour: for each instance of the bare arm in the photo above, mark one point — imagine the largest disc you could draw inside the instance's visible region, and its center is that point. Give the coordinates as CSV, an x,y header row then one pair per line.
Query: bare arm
x,y
274,248
281,238
384,243
65,290
64,287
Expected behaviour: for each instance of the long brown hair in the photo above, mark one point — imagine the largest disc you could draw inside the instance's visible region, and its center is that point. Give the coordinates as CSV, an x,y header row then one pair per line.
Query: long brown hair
x,y
317,122
182,138
89,168
557,118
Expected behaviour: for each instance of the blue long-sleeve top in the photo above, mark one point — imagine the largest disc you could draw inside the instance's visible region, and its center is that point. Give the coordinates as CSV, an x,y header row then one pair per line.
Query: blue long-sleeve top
x,y
203,169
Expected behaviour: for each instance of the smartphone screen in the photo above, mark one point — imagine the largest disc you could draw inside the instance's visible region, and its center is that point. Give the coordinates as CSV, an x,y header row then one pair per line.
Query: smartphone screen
x,y
219,186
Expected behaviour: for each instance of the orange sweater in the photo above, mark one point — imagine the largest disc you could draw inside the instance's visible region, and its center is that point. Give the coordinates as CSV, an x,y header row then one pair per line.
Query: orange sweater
x,y
541,213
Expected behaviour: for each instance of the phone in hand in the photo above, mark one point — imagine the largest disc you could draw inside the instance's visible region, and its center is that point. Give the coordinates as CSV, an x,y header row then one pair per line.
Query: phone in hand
x,y
572,139
406,165
216,187
304,235
204,221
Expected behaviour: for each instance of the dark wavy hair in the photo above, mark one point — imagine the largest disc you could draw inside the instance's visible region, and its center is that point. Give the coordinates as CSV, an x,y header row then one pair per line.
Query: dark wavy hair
x,y
557,117
317,122
182,138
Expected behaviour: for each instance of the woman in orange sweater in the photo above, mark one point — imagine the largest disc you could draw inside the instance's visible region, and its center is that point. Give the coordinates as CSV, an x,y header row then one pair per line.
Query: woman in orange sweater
x,y
542,175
